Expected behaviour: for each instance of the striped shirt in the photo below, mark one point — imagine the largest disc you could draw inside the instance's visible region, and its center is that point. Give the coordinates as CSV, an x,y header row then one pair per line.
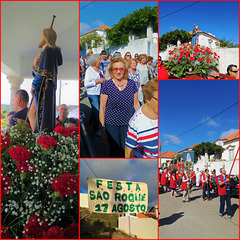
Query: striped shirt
x,y
142,135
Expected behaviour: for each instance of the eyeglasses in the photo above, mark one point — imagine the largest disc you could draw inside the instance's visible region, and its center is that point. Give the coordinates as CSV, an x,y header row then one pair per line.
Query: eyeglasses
x,y
215,77
128,55
155,98
120,69
234,71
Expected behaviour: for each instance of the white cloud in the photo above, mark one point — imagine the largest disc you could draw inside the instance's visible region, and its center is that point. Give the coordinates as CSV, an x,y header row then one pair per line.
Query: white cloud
x,y
98,23
228,133
173,138
211,122
84,27
211,134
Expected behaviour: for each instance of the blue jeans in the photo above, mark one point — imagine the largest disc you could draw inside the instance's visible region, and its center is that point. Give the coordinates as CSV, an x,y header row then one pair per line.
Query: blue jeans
x,y
206,186
116,138
95,103
226,198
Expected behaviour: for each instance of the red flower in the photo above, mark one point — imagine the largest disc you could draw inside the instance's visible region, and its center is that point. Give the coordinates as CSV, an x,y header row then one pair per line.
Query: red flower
x,y
203,52
187,54
54,232
66,184
35,227
19,153
200,59
63,131
73,130
4,232
47,142
71,232
203,59
5,185
194,54
191,59
5,141
58,124
25,167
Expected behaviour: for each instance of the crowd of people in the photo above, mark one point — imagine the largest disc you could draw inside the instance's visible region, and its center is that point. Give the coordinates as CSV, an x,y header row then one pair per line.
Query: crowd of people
x,y
213,184
116,88
20,104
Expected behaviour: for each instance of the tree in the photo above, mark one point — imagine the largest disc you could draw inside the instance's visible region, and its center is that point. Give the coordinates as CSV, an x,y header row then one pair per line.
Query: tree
x,y
206,148
172,38
179,157
228,43
135,23
88,39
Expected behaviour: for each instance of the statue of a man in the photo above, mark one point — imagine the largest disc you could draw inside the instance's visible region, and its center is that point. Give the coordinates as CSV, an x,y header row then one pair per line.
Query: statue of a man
x,y
195,35
42,112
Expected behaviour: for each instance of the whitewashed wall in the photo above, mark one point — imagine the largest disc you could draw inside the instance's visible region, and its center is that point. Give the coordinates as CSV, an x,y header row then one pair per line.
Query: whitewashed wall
x,y
84,200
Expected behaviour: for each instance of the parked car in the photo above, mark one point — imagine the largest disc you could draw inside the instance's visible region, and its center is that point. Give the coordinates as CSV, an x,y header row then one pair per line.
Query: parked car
x,y
234,182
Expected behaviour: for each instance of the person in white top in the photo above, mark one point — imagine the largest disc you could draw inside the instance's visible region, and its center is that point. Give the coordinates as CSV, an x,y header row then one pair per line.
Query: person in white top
x,y
93,80
198,173
143,69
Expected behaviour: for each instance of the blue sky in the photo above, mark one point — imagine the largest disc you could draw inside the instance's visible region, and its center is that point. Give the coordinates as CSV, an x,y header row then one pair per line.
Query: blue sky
x,y
220,18
186,103
107,12
136,170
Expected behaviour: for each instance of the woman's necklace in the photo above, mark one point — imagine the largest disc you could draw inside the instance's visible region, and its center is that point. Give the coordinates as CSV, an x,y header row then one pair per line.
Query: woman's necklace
x,y
119,86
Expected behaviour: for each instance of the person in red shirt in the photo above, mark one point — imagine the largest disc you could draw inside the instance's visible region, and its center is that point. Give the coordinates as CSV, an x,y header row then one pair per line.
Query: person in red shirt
x,y
162,72
164,180
206,185
173,182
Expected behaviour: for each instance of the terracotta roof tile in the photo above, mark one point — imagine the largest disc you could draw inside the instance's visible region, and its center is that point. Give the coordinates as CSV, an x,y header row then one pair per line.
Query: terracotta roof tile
x,y
232,137
168,154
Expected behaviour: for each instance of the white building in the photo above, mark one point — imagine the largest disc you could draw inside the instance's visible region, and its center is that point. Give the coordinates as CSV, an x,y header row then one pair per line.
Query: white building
x,y
166,158
225,159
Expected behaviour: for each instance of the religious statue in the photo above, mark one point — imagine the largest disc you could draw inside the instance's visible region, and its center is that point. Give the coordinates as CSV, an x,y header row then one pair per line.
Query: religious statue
x,y
42,111
195,35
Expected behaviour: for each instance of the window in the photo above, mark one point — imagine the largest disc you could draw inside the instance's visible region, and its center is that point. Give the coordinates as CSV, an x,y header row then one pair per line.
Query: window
x,y
231,154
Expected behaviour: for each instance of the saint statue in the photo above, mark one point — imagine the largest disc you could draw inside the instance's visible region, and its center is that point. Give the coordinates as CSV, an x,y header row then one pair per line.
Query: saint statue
x,y
42,112
195,35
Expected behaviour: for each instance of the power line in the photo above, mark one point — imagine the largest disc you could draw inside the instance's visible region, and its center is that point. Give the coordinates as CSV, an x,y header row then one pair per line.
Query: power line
x,y
180,9
87,5
90,168
202,122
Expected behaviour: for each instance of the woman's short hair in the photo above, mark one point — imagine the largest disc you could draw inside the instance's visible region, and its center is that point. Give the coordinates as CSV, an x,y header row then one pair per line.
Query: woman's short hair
x,y
142,56
149,88
132,60
115,60
93,59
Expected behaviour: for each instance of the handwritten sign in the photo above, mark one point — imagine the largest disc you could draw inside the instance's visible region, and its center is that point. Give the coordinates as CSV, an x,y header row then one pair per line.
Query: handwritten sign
x,y
113,196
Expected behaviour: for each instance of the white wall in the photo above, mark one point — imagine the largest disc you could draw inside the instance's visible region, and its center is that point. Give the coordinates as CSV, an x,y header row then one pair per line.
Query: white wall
x,y
145,228
84,200
204,40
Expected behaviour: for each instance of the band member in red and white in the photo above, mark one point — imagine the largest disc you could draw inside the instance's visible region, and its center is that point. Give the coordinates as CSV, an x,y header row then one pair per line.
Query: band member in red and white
x,y
186,186
224,192
164,180
173,182
206,185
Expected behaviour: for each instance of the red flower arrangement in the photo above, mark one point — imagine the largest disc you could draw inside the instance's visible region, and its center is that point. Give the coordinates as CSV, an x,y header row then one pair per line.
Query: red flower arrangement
x,y
71,232
19,153
66,184
5,185
5,141
187,58
35,227
54,232
47,141
73,130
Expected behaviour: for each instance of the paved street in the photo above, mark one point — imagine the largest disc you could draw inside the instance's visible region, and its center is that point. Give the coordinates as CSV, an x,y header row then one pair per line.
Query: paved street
x,y
196,219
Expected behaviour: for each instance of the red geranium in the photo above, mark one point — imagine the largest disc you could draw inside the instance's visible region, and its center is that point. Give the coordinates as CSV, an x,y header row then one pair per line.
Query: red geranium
x,y
19,153
63,131
4,232
191,59
54,232
35,227
5,141
5,185
66,184
25,167
71,232
46,142
200,59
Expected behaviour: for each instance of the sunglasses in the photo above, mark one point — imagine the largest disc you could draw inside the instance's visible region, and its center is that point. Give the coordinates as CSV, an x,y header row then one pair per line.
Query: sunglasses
x,y
120,69
128,55
215,77
234,71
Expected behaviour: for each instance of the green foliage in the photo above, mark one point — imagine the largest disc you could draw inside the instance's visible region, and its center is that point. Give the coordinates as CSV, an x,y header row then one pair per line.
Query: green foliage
x,y
87,40
179,157
4,113
206,148
228,43
172,38
135,23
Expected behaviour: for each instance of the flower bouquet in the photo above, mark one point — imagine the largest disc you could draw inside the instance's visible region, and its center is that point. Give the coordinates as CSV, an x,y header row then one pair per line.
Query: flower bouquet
x,y
39,183
191,59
